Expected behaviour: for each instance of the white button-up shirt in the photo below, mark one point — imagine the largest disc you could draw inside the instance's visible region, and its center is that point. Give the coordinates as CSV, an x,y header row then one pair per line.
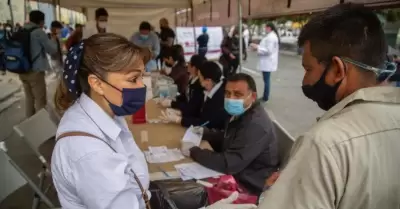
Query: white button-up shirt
x,y
268,53
348,160
87,173
214,90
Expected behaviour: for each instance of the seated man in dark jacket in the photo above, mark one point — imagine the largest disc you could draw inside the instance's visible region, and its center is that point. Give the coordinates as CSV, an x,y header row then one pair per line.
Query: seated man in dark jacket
x,y
212,115
190,103
248,148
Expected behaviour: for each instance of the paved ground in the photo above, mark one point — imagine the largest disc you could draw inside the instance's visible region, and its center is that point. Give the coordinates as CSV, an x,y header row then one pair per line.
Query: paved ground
x,y
287,105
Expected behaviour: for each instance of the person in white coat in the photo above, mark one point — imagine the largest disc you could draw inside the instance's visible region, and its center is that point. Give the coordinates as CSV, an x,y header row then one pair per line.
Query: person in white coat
x,y
268,53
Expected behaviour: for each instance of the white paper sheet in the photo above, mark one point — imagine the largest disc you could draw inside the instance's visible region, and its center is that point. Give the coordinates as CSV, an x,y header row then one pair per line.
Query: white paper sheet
x,y
195,171
191,137
163,155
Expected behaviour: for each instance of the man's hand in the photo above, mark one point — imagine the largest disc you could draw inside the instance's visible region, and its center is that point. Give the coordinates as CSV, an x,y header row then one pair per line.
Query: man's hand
x,y
254,46
232,56
227,203
168,117
166,102
173,112
185,148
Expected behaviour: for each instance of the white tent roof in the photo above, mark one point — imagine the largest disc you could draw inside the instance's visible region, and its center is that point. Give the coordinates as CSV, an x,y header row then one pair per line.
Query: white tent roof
x,y
126,15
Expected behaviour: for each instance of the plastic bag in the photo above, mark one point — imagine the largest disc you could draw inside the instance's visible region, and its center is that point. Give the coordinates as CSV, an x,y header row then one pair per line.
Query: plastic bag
x,y
225,186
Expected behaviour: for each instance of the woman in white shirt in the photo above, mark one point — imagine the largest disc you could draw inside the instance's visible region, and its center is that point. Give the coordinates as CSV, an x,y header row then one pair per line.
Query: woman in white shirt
x,y
268,52
96,163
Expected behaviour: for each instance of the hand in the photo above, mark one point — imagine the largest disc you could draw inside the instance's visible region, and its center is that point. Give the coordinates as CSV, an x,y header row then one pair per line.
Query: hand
x,y
232,56
174,112
198,130
166,102
253,46
227,203
185,148
272,179
170,117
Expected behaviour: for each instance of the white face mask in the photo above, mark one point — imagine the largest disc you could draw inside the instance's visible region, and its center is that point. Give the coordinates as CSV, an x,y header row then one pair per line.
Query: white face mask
x,y
102,24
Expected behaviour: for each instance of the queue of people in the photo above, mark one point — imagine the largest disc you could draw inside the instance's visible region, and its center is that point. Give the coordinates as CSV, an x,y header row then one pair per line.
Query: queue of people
x,y
347,160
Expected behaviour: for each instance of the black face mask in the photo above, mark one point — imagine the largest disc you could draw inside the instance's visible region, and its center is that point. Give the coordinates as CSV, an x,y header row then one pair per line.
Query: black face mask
x,y
322,93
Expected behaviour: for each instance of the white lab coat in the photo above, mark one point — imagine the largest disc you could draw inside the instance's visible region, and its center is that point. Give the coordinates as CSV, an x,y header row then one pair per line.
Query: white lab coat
x,y
87,173
268,53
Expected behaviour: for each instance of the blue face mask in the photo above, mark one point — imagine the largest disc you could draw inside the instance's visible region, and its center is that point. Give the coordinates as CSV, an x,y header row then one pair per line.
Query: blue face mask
x,y
132,101
144,37
234,107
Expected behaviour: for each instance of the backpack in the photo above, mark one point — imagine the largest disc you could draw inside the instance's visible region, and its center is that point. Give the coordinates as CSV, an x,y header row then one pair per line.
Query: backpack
x,y
17,52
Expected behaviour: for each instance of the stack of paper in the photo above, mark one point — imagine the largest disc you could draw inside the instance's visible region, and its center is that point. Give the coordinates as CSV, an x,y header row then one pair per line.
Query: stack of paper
x,y
195,171
163,155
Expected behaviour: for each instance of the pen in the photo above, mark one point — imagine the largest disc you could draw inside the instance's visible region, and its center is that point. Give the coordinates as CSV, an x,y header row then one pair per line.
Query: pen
x,y
162,170
204,124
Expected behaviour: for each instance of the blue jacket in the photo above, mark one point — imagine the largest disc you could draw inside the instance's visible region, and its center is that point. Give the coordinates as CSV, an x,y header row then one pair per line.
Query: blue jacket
x,y
40,45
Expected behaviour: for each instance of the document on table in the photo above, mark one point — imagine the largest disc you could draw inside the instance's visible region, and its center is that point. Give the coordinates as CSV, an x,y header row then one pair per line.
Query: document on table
x,y
189,171
191,136
163,155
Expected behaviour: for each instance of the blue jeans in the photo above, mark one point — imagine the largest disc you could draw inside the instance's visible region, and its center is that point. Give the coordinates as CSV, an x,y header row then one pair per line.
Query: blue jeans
x,y
398,84
267,85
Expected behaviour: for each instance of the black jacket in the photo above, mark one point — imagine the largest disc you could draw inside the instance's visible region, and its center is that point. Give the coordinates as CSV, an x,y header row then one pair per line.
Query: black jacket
x,y
190,103
248,149
212,112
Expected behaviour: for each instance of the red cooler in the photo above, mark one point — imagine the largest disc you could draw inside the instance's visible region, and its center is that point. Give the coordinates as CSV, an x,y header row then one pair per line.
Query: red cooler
x,y
140,116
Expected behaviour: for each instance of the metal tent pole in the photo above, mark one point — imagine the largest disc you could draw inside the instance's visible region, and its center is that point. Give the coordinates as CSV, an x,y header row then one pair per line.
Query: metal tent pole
x,y
240,15
11,12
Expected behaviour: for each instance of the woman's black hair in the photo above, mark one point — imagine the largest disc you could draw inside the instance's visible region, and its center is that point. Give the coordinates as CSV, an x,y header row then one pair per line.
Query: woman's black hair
x,y
211,70
273,27
197,60
176,52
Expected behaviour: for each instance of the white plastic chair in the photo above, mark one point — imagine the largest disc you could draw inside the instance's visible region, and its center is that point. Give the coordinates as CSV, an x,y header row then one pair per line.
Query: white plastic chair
x,y
285,143
35,131
12,178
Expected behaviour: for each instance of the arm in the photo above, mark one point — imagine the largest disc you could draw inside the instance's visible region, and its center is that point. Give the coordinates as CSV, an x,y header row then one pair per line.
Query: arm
x,y
265,47
215,138
248,144
102,182
312,179
156,46
193,106
225,46
49,45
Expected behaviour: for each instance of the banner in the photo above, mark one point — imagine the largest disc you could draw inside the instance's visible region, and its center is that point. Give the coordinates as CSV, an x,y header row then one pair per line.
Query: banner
x,y
187,37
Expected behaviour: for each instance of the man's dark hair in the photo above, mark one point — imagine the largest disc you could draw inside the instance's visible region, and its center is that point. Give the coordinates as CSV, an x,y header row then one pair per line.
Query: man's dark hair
x,y
346,30
244,77
36,16
197,60
101,12
145,26
56,24
211,70
78,25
